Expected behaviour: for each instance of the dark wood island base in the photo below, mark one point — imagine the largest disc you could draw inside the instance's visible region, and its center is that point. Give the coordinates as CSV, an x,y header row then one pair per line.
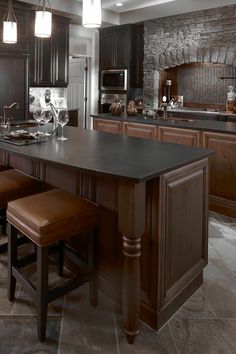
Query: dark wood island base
x,y
153,219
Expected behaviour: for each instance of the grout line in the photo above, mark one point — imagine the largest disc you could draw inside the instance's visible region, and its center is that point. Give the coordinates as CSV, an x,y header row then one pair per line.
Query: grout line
x,y
62,320
207,300
116,333
172,336
16,297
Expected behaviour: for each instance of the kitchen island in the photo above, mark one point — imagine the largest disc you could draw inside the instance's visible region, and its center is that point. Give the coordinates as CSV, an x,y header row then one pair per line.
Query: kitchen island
x,y
153,199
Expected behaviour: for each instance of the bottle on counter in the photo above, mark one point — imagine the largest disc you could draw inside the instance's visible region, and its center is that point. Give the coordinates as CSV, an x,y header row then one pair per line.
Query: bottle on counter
x,y
131,108
231,100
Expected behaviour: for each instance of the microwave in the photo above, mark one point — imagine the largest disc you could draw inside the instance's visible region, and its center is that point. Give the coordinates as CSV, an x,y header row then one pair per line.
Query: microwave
x,y
114,80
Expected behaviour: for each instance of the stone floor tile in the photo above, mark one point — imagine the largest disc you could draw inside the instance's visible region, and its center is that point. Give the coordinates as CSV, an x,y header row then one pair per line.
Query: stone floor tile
x,y
196,307
6,307
212,253
226,248
219,286
86,329
25,305
18,335
195,336
217,228
148,341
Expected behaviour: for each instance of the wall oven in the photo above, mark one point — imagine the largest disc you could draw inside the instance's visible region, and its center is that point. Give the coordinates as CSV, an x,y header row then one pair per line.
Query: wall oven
x,y
113,80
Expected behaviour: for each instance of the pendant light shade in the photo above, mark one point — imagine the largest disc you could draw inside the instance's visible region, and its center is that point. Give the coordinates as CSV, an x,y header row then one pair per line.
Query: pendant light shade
x,y
43,22
9,25
92,13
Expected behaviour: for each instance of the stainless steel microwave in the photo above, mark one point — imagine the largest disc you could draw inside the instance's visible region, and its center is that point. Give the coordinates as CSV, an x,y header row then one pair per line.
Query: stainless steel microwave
x,y
114,80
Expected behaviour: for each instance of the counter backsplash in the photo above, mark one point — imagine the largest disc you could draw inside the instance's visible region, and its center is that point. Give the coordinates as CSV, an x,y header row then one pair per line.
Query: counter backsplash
x,y
37,94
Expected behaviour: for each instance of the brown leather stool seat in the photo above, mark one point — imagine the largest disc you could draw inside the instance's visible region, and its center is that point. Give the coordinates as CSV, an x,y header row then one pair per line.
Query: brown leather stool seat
x,y
13,185
47,218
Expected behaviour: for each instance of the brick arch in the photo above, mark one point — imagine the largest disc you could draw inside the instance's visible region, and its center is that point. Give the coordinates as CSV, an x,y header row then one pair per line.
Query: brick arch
x,y
193,54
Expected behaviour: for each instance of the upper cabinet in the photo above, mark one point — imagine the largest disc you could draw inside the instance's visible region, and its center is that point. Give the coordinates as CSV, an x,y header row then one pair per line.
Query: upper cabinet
x,y
49,57
22,12
121,47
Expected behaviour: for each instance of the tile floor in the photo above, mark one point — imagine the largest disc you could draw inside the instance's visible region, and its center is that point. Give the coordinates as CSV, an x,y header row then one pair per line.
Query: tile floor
x,y
206,324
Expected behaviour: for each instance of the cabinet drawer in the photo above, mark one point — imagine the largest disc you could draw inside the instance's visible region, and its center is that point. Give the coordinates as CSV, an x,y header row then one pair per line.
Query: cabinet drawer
x,y
179,136
139,130
107,126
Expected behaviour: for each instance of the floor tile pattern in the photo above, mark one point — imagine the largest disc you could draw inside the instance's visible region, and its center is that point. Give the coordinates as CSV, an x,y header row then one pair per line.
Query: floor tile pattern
x,y
206,323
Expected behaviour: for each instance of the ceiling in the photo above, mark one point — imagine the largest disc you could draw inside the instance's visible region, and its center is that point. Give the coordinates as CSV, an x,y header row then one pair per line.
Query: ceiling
x,y
134,10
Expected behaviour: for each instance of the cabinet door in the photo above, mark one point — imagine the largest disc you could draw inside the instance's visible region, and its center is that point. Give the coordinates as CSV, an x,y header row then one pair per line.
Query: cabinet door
x,y
140,130
108,126
122,45
49,57
61,53
179,136
222,172
106,50
14,84
44,61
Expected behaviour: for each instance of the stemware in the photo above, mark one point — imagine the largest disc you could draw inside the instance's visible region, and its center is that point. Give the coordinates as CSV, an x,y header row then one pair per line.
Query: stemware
x,y
46,117
37,114
63,119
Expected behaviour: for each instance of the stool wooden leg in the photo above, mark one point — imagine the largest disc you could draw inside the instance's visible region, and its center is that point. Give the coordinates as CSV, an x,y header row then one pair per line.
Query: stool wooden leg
x,y
92,261
60,258
12,260
42,291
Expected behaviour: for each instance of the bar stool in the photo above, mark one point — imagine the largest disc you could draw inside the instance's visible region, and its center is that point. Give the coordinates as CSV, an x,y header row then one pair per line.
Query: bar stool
x,y
45,219
13,185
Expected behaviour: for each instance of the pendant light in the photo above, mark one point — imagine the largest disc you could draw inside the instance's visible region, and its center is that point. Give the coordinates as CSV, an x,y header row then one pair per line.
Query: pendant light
x,y
9,25
43,21
92,13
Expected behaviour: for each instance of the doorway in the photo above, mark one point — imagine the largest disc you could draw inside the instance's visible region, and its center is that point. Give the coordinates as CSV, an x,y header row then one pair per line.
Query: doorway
x,y
78,88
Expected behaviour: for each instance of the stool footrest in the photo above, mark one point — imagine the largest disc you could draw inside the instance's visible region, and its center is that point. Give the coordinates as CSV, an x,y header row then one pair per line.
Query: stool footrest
x,y
67,286
20,277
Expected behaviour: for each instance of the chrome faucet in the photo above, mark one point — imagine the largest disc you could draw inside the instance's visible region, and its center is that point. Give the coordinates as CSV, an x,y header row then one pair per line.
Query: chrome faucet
x,y
6,108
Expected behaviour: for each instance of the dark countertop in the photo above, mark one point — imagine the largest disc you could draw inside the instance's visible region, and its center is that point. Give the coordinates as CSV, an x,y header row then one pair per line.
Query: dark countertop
x,y
113,155
209,125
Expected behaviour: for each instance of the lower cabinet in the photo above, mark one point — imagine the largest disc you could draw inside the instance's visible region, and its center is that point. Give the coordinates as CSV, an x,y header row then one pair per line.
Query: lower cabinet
x,y
222,172
108,126
139,130
222,186
179,136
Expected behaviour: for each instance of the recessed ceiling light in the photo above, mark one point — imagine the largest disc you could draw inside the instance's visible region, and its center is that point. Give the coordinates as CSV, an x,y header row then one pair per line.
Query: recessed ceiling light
x,y
119,3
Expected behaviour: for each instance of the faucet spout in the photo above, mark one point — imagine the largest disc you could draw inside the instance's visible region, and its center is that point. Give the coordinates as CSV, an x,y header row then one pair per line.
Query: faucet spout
x,y
6,108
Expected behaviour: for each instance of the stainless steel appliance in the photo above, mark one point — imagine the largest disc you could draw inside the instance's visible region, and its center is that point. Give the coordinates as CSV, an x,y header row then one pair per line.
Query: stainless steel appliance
x,y
113,80
108,98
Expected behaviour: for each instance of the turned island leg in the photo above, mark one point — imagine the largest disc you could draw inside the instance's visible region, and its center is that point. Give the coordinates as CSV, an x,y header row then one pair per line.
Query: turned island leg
x,y
132,226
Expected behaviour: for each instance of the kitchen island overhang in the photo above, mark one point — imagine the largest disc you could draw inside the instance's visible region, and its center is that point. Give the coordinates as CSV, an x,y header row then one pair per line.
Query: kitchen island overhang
x,y
153,201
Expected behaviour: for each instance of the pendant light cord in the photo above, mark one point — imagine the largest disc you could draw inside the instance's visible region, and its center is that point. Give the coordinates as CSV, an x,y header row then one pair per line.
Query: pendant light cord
x,y
10,15
44,5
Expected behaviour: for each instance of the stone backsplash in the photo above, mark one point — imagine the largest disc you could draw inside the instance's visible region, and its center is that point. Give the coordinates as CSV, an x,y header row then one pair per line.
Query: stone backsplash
x,y
198,37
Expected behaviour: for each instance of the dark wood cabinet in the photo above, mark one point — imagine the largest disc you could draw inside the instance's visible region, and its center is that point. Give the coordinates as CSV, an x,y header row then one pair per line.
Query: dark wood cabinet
x,y
222,172
14,84
115,48
49,57
121,47
22,13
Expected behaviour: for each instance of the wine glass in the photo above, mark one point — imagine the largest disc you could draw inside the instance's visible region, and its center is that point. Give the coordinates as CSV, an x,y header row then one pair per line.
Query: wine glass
x,y
37,114
46,117
63,119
